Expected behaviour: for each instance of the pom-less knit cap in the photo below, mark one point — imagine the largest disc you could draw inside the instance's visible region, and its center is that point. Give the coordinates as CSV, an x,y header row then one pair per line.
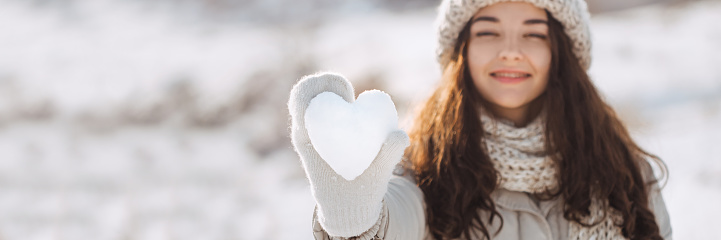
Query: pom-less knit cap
x,y
453,15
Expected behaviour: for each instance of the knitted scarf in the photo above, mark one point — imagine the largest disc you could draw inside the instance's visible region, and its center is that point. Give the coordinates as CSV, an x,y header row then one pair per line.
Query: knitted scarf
x,y
518,154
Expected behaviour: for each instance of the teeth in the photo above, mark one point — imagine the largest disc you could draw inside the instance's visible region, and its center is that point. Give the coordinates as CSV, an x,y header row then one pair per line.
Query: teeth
x,y
510,75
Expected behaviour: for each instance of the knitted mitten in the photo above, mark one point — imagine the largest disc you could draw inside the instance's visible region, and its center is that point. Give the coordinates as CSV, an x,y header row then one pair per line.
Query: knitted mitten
x,y
345,208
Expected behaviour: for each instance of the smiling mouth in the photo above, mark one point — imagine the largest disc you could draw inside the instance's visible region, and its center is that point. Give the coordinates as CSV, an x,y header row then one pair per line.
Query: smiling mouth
x,y
510,75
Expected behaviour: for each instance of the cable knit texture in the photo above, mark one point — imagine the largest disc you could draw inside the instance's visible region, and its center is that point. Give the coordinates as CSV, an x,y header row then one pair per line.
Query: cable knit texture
x,y
345,208
573,14
519,155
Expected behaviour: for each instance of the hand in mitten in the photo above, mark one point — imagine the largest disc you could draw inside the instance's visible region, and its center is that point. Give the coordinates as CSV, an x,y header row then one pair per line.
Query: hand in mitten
x,y
345,207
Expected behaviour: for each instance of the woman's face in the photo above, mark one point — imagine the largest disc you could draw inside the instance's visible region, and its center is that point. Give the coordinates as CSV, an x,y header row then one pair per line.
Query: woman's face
x,y
509,54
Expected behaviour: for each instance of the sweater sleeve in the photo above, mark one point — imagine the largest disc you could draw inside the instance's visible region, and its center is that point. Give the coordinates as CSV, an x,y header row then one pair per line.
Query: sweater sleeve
x,y
402,216
656,202
659,209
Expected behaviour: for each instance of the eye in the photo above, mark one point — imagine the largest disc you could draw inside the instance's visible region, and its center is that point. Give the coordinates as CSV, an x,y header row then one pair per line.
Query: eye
x,y
481,34
537,35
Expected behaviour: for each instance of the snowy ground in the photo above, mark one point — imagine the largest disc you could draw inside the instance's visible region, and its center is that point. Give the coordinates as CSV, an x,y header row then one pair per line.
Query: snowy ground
x,y
126,120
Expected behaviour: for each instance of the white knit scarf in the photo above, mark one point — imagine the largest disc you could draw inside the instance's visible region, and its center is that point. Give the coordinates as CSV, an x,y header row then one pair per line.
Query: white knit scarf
x,y
519,155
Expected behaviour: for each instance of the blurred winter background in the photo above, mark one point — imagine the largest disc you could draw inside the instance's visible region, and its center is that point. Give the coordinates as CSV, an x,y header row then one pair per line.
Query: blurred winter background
x,y
166,119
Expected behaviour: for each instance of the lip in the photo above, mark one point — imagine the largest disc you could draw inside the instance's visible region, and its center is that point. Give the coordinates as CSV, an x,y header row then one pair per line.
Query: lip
x,y
510,80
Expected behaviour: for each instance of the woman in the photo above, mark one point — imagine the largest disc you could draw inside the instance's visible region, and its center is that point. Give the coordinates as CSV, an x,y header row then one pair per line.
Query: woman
x,y
515,143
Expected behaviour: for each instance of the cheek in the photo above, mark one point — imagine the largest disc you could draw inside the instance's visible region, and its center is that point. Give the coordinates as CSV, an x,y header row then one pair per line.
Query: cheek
x,y
479,57
540,59
479,60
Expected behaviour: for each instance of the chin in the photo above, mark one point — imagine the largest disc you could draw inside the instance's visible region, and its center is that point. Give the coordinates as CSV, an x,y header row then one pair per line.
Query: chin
x,y
509,103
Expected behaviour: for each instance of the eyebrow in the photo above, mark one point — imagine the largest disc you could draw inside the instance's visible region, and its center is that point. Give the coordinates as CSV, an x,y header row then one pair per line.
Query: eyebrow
x,y
485,18
495,20
535,21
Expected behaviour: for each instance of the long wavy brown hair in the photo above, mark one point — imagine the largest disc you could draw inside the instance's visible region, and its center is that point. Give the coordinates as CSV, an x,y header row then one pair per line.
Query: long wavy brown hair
x,y
597,157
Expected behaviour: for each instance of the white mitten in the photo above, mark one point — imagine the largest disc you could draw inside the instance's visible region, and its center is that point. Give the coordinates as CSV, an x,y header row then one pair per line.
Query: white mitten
x,y
345,208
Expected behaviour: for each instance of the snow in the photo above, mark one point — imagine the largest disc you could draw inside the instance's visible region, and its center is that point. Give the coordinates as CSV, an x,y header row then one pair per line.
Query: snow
x,y
348,136
137,120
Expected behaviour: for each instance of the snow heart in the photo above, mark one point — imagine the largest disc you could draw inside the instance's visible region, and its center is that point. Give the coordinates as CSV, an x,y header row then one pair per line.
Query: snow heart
x,y
348,136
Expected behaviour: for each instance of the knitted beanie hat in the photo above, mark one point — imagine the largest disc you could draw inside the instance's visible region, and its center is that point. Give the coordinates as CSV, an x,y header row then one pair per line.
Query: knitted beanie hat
x,y
453,15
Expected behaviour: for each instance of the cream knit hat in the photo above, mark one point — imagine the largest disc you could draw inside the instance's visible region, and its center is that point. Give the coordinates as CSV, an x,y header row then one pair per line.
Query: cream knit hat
x,y
573,14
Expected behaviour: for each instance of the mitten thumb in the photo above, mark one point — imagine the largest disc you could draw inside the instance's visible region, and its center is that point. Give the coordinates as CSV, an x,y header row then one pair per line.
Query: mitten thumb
x,y
392,150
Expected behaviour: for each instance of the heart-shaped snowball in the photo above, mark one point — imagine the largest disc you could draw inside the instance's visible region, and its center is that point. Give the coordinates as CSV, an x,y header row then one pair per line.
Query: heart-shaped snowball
x,y
348,136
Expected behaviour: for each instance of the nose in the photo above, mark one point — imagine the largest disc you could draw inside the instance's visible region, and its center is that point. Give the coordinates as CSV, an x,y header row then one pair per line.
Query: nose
x,y
511,51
